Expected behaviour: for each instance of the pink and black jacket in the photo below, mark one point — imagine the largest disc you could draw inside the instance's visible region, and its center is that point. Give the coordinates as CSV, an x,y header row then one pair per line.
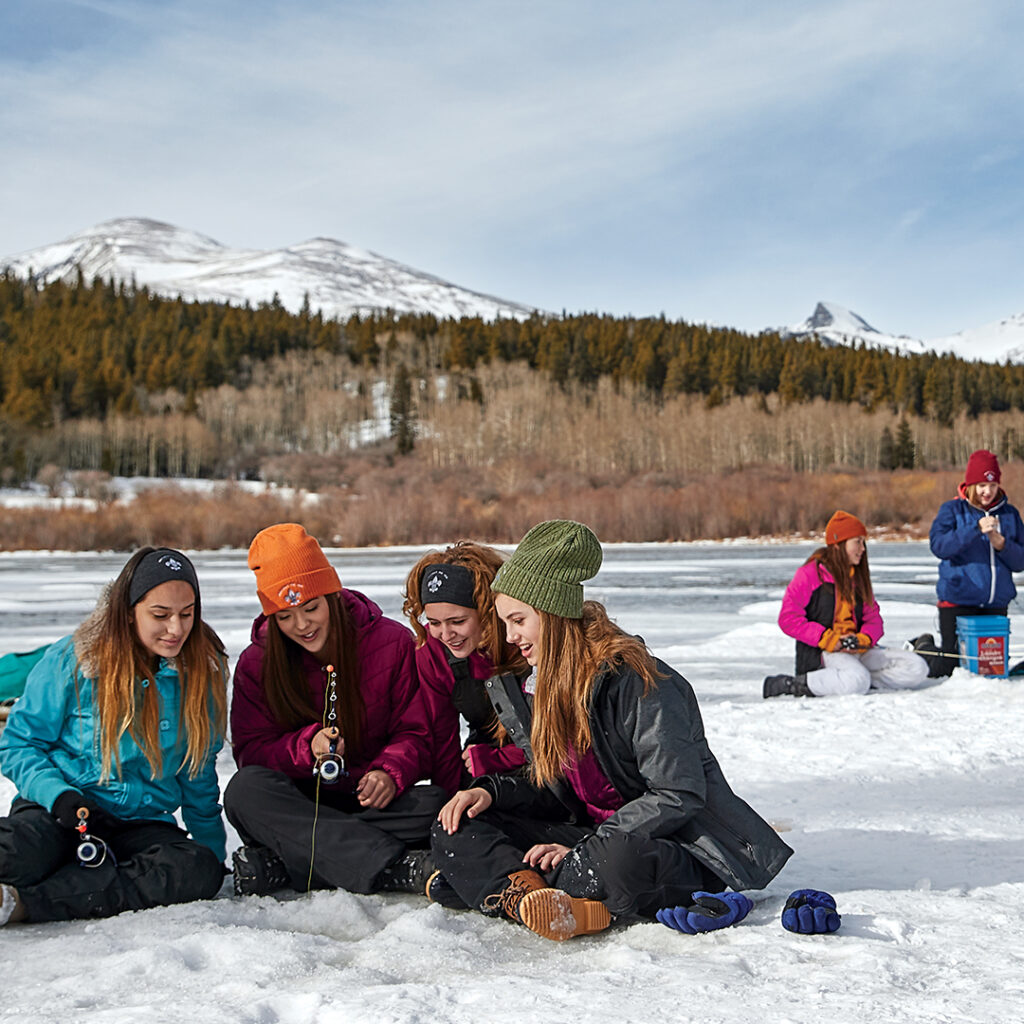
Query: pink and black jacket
x,y
809,608
454,689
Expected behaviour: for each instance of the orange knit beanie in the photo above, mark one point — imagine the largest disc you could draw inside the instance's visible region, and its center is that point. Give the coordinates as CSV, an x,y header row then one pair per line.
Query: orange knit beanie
x,y
290,568
842,526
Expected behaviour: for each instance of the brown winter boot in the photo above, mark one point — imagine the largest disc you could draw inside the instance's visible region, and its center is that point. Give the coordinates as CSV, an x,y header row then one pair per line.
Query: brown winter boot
x,y
549,912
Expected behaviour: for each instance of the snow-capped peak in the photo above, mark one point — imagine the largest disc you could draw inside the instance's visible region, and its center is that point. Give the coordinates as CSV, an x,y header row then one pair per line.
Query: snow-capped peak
x,y
339,279
836,325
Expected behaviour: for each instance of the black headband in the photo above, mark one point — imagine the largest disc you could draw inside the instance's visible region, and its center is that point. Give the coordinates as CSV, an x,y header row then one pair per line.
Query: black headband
x,y
161,566
447,584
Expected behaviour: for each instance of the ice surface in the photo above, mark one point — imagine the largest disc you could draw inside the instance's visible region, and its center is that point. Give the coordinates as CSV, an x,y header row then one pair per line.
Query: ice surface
x,y
905,806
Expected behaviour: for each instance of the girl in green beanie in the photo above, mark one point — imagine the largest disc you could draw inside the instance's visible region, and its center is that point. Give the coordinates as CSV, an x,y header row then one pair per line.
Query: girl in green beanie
x,y
624,811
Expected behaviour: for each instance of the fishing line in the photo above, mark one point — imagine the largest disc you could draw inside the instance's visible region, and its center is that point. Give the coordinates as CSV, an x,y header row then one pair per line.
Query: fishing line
x,y
329,718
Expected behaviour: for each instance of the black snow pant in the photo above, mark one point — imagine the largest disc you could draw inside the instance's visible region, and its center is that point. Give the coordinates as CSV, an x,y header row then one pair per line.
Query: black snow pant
x,y
154,864
632,876
950,643
352,844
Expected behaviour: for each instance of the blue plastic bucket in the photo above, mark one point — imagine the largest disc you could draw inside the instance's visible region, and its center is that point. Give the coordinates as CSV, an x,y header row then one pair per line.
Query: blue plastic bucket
x,y
984,643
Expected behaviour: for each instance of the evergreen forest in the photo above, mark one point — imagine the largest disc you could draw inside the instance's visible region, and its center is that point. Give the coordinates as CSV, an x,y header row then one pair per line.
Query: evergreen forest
x,y
100,380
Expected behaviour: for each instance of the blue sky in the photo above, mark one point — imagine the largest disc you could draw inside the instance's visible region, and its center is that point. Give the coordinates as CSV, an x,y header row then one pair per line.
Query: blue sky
x,y
723,161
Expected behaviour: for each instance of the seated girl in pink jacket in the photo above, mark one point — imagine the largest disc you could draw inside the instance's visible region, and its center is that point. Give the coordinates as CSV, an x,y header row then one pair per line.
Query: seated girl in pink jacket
x,y
830,610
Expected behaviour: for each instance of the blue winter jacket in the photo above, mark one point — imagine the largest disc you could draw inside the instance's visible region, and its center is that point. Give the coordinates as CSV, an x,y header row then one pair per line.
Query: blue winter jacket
x,y
972,572
51,744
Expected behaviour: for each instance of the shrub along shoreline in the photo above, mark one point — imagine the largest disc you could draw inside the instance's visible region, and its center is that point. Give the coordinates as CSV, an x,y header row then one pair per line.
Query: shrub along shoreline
x,y
413,503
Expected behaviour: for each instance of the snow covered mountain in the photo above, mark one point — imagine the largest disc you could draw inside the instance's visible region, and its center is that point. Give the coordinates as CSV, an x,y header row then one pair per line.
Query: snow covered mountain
x,y
992,343
339,279
836,325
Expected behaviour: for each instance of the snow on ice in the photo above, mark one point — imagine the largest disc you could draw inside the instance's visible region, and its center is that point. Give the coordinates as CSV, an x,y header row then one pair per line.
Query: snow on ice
x,y
905,806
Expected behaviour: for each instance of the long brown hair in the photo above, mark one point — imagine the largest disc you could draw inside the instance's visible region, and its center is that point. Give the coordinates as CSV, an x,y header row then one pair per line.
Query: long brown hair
x,y
849,585
572,654
286,684
124,690
483,562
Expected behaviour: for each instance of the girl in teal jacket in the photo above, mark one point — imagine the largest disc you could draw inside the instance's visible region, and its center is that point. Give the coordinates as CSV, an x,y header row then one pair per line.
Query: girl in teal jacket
x,y
118,727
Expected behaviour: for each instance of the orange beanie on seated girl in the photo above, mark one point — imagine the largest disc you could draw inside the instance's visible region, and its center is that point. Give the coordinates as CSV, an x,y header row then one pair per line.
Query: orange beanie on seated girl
x,y
290,568
842,526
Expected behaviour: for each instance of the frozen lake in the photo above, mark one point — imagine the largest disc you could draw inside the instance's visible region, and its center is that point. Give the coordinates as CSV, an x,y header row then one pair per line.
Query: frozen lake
x,y
709,609
905,806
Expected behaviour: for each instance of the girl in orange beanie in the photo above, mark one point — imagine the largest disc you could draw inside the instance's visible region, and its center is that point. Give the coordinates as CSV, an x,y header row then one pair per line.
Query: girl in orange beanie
x,y
829,608
329,733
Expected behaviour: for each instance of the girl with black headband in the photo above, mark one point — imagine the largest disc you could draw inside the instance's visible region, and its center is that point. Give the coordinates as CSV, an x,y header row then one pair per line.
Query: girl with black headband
x,y
460,644
118,728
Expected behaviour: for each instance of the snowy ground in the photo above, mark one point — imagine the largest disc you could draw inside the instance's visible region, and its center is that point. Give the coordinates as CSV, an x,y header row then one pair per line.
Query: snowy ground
x,y
905,806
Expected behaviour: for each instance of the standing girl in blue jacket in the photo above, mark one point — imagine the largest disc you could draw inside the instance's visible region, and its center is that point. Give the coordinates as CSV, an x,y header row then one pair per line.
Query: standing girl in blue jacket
x,y
118,727
979,538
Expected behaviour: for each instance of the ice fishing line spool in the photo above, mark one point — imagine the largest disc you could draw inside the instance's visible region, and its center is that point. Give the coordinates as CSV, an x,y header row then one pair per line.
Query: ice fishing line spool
x,y
330,766
91,851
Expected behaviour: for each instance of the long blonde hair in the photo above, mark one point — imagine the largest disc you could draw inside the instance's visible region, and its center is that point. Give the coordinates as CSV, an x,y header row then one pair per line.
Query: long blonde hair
x,y
573,652
124,690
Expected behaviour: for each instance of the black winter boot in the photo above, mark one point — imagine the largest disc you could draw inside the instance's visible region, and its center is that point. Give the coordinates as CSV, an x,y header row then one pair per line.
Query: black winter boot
x,y
439,890
791,686
258,871
410,873
939,666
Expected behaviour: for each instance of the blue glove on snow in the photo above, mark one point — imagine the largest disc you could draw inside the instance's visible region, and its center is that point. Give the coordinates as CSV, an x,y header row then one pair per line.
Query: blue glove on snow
x,y
709,912
810,912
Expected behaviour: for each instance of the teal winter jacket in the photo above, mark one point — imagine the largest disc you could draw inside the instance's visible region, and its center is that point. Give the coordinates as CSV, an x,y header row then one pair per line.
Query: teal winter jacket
x,y
51,744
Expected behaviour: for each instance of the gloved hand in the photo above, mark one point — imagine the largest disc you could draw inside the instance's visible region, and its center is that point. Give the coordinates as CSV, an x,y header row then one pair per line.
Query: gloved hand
x,y
829,640
65,811
848,642
864,642
810,912
709,912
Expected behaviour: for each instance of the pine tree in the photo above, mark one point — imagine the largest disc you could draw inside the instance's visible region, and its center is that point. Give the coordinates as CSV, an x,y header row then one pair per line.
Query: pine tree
x,y
403,426
887,450
904,452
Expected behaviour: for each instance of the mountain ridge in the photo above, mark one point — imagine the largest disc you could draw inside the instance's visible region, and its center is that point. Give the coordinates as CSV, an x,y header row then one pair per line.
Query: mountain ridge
x,y
339,279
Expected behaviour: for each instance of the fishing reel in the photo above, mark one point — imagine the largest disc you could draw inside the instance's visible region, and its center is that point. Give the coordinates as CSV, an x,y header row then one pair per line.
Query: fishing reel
x,y
330,767
92,851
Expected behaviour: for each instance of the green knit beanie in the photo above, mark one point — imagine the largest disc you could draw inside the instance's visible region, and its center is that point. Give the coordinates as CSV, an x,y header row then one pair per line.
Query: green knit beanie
x,y
548,568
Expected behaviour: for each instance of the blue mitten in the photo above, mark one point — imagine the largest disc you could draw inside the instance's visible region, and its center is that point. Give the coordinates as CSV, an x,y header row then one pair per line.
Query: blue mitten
x,y
810,912
709,912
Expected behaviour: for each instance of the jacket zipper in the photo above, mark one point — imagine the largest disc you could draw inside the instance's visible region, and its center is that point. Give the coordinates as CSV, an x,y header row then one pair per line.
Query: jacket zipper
x,y
992,567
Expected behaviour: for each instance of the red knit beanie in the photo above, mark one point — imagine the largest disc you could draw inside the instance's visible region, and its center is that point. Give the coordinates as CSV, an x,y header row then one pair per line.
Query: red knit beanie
x,y
982,468
290,568
842,526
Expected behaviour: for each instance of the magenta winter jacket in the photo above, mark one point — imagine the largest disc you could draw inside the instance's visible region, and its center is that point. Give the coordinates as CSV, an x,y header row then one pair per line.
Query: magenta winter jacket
x,y
396,736
793,617
437,683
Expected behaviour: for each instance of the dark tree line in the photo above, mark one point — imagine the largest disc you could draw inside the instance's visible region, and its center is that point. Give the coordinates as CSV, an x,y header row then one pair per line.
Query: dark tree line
x,y
72,350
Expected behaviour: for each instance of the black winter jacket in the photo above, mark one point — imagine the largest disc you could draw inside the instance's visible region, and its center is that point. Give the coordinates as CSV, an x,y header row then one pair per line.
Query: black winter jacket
x,y
653,751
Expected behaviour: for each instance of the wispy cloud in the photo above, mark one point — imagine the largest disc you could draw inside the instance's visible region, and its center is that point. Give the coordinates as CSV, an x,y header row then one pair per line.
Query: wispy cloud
x,y
605,150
